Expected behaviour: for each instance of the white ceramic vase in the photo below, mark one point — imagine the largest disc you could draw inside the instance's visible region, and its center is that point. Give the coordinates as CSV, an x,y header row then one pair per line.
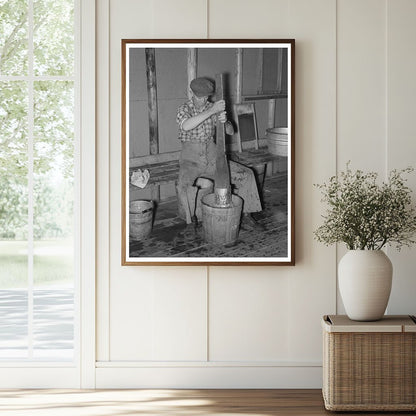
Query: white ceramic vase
x,y
364,278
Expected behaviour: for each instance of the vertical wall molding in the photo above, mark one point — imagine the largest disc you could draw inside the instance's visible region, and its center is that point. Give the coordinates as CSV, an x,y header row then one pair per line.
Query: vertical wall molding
x,y
103,180
88,193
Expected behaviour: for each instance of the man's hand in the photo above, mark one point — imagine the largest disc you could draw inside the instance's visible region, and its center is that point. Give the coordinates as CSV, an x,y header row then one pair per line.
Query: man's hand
x,y
218,107
222,117
229,129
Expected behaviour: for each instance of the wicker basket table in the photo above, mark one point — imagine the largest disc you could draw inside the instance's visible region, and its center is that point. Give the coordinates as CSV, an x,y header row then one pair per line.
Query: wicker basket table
x,y
369,366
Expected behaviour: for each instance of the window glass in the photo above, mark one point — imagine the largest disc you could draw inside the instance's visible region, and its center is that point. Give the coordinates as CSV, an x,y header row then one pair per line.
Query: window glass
x,y
53,37
13,37
37,125
53,197
13,219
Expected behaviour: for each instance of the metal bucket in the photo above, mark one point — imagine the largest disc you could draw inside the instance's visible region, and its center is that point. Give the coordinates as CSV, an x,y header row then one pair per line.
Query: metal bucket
x,y
221,224
277,138
140,219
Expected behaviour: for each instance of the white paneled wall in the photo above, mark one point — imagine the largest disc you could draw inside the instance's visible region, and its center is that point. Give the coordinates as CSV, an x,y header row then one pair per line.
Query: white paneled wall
x,y
248,315
361,84
401,131
254,326
361,88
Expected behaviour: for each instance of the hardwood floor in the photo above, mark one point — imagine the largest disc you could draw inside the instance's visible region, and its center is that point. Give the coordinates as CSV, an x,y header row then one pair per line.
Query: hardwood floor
x,y
172,237
166,402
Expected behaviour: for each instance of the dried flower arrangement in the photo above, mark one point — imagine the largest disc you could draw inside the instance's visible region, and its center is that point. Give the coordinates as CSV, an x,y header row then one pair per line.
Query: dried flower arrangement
x,y
366,215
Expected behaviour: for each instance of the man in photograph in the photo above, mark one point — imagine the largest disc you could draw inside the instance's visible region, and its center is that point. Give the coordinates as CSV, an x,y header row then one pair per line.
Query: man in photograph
x,y
197,119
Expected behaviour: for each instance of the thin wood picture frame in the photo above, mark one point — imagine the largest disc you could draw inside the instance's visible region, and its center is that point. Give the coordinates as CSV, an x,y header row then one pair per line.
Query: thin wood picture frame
x,y
190,194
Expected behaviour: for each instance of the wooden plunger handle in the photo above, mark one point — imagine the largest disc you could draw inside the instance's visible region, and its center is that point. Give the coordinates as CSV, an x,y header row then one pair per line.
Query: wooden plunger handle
x,y
222,173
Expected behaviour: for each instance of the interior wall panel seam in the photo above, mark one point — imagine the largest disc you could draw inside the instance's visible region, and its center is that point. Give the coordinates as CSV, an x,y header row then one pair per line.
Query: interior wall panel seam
x,y
207,313
207,10
386,40
336,138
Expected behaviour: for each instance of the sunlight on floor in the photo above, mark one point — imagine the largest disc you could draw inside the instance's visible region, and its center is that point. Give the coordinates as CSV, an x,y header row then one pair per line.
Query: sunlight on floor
x,y
113,403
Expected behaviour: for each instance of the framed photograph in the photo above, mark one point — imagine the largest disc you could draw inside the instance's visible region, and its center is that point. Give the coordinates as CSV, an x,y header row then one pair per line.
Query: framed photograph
x,y
208,152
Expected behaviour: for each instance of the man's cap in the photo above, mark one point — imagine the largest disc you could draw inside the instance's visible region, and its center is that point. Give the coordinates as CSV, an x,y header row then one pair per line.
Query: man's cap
x,y
202,87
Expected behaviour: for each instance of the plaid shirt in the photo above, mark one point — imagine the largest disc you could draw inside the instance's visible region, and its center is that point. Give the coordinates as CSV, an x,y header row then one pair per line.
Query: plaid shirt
x,y
201,133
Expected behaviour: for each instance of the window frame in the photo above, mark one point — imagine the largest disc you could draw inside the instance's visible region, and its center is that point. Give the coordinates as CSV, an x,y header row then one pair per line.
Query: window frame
x,y
81,371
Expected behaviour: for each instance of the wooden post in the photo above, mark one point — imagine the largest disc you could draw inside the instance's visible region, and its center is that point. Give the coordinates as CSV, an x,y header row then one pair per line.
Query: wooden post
x,y
271,113
279,69
260,72
192,66
239,76
152,101
271,167
152,105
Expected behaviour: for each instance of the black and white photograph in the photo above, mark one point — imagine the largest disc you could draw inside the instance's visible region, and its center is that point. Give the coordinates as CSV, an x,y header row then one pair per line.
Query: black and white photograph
x,y
208,152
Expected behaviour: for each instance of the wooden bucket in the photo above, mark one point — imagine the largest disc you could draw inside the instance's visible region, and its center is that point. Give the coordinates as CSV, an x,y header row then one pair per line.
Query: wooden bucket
x,y
221,224
140,219
277,140
205,186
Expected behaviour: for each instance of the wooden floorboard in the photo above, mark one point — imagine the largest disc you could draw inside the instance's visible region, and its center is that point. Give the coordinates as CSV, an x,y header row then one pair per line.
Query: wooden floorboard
x,y
172,237
167,402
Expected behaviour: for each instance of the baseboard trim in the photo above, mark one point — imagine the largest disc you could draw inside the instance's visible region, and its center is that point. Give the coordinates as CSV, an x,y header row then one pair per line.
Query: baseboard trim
x,y
204,364
210,377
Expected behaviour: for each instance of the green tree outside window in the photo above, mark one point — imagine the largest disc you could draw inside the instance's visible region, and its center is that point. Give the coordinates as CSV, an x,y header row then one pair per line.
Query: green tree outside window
x,y
51,57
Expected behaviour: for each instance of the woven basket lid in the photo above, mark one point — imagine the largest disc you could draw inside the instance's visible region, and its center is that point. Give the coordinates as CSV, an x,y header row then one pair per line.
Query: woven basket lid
x,y
390,323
